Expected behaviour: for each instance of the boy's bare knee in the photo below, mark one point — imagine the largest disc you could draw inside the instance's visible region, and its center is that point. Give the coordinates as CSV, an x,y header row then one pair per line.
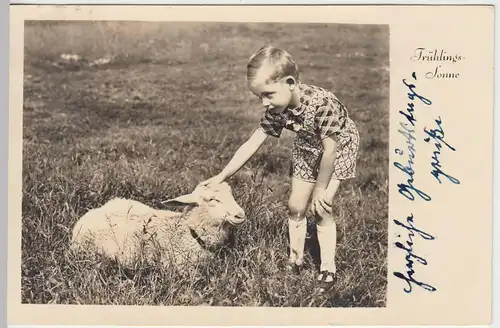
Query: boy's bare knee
x,y
297,211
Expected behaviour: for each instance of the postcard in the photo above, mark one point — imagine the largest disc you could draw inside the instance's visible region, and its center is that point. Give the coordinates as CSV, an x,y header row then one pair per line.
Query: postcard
x,y
250,165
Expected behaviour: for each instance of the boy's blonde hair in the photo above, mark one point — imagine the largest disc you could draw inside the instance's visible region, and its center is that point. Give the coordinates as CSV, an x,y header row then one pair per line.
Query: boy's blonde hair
x,y
280,60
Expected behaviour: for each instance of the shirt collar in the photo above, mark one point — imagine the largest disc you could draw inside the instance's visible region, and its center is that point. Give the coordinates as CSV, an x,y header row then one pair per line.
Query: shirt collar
x,y
301,107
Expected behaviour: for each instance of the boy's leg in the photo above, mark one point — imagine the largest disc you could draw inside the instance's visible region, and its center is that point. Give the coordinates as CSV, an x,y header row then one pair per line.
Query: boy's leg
x,y
297,223
327,239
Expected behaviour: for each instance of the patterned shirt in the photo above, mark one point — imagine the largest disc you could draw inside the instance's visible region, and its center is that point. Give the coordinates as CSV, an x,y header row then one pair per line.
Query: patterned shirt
x,y
319,114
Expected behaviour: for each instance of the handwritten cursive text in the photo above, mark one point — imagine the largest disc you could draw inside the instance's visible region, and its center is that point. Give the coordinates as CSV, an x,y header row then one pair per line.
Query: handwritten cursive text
x,y
437,136
411,257
407,189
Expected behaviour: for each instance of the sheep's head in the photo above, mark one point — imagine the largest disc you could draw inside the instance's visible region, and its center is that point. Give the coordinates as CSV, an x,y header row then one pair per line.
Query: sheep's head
x,y
217,200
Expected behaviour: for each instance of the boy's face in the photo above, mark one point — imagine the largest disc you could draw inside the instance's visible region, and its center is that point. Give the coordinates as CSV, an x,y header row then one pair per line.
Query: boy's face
x,y
275,96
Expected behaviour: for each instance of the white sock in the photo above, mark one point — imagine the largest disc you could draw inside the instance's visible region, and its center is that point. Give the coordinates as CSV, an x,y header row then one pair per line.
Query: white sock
x,y
297,232
327,239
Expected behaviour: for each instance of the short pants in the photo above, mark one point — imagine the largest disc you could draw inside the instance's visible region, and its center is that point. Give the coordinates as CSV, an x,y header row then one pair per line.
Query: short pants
x,y
307,153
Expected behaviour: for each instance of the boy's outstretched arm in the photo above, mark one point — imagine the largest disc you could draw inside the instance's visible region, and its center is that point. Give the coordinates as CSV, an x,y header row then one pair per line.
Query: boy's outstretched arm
x,y
240,157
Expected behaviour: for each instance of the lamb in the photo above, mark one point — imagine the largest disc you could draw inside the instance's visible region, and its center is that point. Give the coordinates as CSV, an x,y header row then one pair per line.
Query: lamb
x,y
127,230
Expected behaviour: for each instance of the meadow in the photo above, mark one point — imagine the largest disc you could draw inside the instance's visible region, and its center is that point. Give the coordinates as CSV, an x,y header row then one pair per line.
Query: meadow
x,y
165,109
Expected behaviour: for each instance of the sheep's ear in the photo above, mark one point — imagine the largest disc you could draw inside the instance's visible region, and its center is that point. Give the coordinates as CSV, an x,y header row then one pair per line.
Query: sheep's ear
x,y
183,200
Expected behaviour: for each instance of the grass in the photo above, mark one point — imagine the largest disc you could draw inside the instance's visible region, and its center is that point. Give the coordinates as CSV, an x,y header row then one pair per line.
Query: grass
x,y
169,110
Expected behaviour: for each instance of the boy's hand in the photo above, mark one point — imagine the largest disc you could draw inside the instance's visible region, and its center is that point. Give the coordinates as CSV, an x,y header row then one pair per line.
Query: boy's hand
x,y
321,203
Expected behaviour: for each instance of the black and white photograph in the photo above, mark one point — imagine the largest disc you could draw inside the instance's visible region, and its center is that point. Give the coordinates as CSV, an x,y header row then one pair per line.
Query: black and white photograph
x,y
200,163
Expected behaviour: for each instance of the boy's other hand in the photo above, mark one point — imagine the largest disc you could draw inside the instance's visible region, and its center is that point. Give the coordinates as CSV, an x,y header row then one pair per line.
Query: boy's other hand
x,y
321,203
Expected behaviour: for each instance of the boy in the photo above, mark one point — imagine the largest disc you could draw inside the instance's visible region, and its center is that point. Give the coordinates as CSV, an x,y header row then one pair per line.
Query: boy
x,y
324,151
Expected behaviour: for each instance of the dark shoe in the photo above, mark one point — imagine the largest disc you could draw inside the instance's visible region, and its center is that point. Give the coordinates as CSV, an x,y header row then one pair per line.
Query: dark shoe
x,y
293,267
326,280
